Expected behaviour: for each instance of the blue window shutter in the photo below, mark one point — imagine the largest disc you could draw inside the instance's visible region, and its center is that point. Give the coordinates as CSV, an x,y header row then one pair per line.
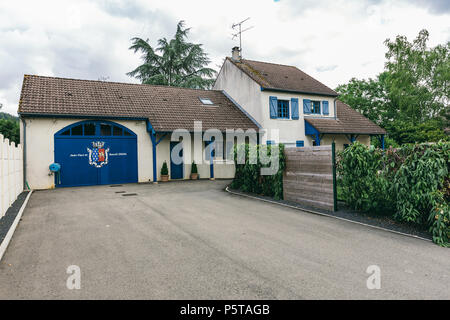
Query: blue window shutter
x,y
306,106
294,106
300,143
325,107
273,102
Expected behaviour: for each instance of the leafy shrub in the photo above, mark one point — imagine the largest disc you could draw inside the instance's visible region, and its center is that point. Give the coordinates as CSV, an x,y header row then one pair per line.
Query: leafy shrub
x,y
439,220
361,185
417,180
404,131
248,176
194,167
388,142
9,128
164,169
412,183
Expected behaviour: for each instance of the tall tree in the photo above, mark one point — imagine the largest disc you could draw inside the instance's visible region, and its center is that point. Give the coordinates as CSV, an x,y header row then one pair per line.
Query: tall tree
x,y
418,77
10,129
411,95
179,63
369,97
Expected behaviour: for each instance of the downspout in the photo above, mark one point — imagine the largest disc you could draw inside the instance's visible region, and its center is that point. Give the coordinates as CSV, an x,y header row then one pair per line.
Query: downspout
x,y
24,154
334,103
152,134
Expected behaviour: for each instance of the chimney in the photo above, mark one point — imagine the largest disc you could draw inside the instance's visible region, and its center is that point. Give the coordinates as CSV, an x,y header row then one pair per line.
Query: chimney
x,y
236,54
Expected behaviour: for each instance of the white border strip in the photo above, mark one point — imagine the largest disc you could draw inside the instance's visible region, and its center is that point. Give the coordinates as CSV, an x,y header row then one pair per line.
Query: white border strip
x,y
13,227
326,215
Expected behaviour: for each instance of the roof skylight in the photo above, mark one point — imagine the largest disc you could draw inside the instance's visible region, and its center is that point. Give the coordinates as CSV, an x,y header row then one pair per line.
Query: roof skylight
x,y
206,101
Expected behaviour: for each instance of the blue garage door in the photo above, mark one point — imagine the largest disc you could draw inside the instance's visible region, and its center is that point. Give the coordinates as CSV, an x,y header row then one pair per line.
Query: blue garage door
x,y
95,152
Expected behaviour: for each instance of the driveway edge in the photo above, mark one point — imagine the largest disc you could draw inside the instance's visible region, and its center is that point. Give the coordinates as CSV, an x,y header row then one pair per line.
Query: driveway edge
x,y
8,237
227,189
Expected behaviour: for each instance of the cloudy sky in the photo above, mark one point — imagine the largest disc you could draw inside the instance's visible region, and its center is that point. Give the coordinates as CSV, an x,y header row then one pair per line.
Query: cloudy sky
x,y
331,40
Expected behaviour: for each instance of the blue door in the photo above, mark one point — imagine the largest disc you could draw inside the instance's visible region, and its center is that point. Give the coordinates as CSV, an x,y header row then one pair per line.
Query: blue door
x,y
96,152
176,169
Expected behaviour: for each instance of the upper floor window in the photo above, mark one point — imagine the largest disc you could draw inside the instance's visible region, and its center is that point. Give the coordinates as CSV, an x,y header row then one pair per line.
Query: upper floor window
x,y
315,107
283,109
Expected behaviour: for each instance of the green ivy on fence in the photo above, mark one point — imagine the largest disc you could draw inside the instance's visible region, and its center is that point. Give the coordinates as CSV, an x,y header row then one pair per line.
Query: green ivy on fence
x,y
248,176
411,183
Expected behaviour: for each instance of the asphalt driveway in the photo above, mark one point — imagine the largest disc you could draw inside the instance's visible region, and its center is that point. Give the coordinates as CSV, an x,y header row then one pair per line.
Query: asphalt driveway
x,y
192,240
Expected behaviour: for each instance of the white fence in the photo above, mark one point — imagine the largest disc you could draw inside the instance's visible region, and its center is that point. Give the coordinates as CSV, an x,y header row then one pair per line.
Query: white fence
x,y
11,173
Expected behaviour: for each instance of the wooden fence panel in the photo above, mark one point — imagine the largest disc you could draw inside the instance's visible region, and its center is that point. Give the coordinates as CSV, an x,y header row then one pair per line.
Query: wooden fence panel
x,y
11,173
310,177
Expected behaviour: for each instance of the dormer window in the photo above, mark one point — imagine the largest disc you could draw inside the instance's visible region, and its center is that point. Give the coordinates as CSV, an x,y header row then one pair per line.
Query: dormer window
x,y
206,101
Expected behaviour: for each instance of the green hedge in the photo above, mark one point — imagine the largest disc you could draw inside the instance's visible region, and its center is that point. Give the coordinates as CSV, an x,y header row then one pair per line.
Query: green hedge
x,y
248,176
410,183
361,186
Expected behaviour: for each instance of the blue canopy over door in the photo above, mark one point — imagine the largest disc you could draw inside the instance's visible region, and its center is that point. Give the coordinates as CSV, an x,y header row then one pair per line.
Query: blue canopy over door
x,y
96,152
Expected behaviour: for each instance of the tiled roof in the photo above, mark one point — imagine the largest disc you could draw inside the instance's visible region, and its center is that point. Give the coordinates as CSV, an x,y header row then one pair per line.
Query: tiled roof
x,y
282,77
348,121
167,108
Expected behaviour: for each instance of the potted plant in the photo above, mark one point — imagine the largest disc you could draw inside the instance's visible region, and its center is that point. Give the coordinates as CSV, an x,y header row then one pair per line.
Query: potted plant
x,y
194,171
164,172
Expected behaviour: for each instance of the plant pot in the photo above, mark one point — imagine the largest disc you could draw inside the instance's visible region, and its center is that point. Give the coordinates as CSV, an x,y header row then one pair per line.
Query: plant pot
x,y
194,176
164,177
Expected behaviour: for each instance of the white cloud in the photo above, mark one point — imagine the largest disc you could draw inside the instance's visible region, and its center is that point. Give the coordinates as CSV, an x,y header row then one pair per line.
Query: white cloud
x,y
331,40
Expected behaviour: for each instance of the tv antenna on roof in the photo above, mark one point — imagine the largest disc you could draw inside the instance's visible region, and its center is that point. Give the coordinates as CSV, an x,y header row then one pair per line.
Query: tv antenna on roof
x,y
239,33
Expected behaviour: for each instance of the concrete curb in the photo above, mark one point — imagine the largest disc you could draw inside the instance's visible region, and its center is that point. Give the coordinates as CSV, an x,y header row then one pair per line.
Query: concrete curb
x,y
5,243
326,215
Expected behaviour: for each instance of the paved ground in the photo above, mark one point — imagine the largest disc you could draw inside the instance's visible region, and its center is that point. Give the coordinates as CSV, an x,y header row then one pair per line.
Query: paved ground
x,y
192,240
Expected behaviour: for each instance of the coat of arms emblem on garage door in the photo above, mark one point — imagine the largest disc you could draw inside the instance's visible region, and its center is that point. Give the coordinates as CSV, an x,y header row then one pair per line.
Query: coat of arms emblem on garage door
x,y
98,156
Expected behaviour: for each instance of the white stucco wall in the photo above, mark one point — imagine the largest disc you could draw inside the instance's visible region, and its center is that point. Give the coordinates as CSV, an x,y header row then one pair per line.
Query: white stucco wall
x,y
341,139
40,152
243,90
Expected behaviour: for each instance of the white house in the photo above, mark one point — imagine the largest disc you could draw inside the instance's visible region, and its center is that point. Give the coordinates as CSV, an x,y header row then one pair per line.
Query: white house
x,y
305,111
112,133
99,132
